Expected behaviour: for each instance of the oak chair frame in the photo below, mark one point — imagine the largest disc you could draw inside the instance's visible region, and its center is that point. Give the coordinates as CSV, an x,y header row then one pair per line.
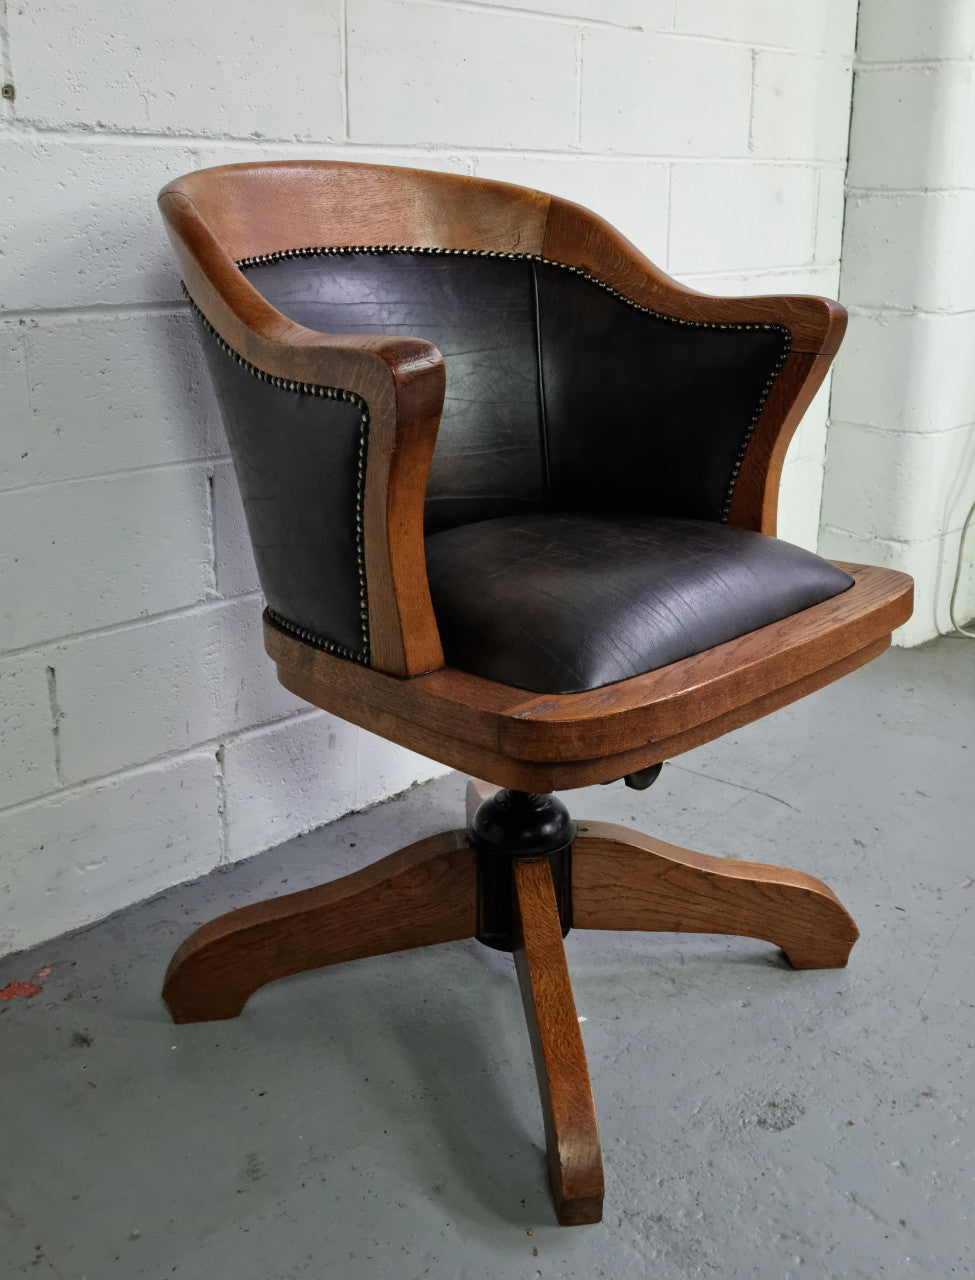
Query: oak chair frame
x,y
523,741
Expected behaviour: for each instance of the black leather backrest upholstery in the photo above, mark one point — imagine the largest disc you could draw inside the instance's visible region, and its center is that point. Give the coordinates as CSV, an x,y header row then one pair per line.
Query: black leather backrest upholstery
x,y
480,312
560,393
298,456
642,412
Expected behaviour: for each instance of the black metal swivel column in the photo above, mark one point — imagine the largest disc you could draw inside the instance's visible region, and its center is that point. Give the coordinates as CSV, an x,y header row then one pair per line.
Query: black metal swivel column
x,y
508,826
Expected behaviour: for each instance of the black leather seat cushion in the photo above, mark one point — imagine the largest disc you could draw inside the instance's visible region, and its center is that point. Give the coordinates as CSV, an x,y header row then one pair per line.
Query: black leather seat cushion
x,y
559,603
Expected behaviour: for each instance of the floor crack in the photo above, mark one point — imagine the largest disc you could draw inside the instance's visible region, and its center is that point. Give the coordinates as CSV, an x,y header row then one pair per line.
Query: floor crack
x,y
739,786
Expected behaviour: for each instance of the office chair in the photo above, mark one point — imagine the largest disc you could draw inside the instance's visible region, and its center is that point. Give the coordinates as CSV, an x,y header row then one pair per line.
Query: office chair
x,y
512,492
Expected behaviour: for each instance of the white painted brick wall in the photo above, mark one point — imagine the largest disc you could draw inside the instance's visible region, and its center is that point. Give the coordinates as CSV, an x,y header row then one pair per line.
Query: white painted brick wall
x,y
83,852
632,83
252,72
909,251
141,382
729,216
144,737
87,553
782,123
901,466
115,689
284,779
829,26
903,30
26,730
891,142
235,567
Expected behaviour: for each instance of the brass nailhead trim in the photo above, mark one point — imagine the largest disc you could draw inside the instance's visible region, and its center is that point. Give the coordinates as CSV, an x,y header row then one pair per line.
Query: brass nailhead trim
x,y
335,251
328,393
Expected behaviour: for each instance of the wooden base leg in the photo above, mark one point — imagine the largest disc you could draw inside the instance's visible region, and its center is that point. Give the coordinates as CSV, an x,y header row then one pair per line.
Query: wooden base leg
x,y
572,1138
624,880
423,894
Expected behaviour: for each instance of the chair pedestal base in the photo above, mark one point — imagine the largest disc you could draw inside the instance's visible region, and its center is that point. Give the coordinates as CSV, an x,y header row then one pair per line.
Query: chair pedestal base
x,y
430,892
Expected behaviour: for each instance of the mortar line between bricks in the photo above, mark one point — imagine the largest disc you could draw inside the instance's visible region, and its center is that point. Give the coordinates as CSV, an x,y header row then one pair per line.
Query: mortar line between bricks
x,y
52,697
128,624
893,64
580,39
880,312
817,220
221,758
6,61
752,66
25,334
845,208
344,41
901,193
184,464
165,757
608,156
670,214
336,149
672,32
892,542
888,432
121,309
212,529
510,11
729,273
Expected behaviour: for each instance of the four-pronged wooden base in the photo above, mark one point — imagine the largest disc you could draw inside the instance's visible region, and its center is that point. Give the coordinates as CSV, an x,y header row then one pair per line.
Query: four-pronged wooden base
x,y
428,893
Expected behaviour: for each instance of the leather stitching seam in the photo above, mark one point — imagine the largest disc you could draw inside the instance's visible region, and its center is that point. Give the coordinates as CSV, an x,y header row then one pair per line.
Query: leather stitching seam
x,y
328,393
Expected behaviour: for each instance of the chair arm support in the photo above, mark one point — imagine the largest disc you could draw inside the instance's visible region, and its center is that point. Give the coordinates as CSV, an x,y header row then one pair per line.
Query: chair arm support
x,y
401,380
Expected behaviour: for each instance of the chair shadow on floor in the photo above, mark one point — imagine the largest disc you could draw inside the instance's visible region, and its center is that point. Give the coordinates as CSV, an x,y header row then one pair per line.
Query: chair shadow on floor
x,y
442,1071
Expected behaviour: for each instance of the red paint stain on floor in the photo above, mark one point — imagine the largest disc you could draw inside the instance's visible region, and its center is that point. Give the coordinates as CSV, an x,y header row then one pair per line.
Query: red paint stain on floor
x,y
14,989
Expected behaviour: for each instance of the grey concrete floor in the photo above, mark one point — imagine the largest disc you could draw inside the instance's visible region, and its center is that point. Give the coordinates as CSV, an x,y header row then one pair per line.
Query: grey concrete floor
x,y
380,1119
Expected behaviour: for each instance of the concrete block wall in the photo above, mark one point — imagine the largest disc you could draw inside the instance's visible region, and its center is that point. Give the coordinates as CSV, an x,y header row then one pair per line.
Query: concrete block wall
x,y
145,740
901,467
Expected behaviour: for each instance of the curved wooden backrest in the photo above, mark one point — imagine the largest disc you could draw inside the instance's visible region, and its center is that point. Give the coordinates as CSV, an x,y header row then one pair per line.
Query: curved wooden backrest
x,y
254,209
265,207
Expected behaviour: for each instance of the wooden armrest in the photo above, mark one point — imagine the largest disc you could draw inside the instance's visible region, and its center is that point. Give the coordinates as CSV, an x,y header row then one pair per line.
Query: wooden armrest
x,y
402,382
816,327
577,235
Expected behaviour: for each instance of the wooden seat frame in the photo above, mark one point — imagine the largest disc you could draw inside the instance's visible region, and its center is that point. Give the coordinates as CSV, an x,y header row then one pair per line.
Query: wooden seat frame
x,y
431,892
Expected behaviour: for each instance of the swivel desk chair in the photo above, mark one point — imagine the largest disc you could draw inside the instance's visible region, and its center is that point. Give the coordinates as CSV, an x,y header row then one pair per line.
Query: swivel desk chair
x,y
512,492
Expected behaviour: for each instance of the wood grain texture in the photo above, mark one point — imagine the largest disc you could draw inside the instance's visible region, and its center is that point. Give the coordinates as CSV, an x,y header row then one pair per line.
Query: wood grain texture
x,y
571,1133
265,206
624,880
424,894
531,775
543,743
